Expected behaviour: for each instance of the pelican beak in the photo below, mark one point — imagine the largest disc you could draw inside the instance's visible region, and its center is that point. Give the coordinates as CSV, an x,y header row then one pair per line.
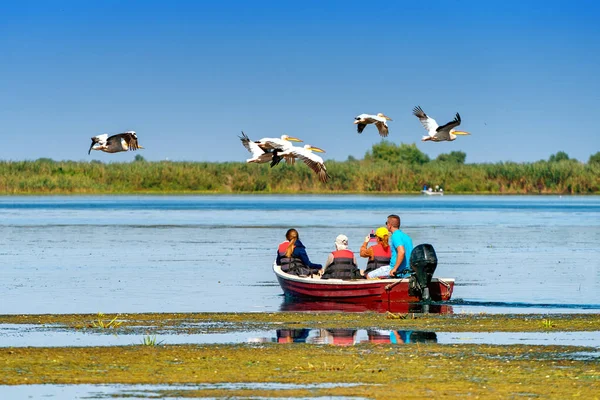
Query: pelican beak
x,y
388,118
461,133
318,150
293,139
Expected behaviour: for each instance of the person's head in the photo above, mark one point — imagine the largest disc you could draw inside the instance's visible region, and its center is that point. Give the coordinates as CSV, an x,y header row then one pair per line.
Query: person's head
x,y
393,222
341,242
291,235
382,234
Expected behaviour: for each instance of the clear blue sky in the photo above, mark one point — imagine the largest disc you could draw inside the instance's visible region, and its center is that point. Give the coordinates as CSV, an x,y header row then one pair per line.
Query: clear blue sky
x,y
188,76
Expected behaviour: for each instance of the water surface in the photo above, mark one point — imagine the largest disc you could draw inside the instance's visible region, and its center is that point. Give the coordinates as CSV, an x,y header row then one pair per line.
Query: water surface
x,y
120,254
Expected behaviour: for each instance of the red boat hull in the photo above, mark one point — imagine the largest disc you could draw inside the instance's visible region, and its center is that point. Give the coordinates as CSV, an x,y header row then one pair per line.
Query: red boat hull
x,y
358,291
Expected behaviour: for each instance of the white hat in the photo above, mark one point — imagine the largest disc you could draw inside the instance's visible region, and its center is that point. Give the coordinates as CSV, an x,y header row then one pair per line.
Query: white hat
x,y
341,242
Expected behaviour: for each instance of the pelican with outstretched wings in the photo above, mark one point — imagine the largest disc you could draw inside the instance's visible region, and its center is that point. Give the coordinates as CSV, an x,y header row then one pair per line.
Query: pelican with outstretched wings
x,y
278,144
379,120
258,155
312,160
115,143
438,133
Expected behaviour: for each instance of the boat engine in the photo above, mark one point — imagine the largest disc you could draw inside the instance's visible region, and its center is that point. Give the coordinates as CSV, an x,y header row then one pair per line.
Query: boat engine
x,y
423,262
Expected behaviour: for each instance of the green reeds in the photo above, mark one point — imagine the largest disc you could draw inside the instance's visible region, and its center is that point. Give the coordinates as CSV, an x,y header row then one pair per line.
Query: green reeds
x,y
100,323
353,176
149,340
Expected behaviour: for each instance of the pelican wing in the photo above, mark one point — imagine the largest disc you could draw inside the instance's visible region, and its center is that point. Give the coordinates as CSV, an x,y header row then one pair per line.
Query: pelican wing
x,y
116,140
131,140
251,146
268,144
382,128
313,161
428,122
360,127
450,125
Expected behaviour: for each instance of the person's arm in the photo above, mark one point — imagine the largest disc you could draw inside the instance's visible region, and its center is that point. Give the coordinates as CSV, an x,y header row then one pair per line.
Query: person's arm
x,y
328,262
301,253
364,251
399,258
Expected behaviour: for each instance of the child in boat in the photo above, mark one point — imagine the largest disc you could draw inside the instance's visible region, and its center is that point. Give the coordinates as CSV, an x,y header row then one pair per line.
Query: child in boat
x,y
292,256
341,263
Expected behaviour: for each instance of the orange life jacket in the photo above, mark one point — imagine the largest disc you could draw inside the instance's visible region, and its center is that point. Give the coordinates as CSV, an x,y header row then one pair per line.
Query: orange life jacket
x,y
292,265
381,257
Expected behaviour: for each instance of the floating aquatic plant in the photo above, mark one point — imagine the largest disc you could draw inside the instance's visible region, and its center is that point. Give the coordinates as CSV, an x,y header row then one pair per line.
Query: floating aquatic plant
x,y
100,323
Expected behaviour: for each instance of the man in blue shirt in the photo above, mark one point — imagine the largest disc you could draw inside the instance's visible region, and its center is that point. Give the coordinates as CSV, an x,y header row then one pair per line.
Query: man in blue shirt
x,y
402,247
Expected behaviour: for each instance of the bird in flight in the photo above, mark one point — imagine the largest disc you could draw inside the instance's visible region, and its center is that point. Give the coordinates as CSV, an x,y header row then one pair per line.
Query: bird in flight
x,y
438,133
115,143
379,120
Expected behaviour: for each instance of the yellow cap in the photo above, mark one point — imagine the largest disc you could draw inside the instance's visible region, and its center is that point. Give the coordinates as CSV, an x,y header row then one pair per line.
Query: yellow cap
x,y
382,232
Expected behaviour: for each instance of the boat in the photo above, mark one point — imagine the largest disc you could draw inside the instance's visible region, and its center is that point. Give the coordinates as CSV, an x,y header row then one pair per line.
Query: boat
x,y
359,291
430,192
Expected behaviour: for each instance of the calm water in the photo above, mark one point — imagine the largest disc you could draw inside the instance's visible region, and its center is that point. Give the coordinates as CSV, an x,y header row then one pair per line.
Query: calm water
x,y
118,254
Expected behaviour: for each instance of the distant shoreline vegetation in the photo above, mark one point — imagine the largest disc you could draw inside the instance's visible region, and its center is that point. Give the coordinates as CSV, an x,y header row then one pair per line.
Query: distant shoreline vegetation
x,y
386,169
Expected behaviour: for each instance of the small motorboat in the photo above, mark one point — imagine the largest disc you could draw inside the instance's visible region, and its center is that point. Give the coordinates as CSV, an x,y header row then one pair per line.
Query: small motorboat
x,y
421,286
359,290
431,192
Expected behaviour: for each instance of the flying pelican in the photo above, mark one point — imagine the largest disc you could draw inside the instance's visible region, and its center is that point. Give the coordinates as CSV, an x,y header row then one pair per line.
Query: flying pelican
x,y
115,143
438,133
279,144
379,120
305,153
258,154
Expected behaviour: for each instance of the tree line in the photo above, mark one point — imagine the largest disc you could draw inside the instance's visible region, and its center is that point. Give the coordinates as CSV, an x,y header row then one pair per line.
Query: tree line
x,y
386,168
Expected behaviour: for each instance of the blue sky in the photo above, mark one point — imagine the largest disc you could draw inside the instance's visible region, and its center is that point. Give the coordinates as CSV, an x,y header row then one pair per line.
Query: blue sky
x,y
188,76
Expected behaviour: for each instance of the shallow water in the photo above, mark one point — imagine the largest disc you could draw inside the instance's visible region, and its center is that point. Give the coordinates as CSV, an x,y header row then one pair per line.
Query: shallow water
x,y
18,335
151,391
118,254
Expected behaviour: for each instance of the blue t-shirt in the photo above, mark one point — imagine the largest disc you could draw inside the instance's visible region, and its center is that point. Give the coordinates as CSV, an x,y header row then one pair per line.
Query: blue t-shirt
x,y
400,238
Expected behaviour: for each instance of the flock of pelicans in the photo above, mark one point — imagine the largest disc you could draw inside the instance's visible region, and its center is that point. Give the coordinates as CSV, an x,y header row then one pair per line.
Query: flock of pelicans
x,y
273,150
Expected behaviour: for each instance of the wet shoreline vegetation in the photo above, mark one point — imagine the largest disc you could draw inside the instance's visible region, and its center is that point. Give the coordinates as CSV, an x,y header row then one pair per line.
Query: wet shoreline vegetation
x,y
154,323
386,169
366,370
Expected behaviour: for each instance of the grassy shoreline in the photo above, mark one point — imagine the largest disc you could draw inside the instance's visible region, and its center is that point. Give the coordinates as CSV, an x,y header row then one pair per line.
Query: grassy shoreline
x,y
47,177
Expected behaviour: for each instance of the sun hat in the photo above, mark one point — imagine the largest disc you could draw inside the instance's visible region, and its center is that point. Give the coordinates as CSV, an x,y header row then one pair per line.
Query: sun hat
x,y
382,232
341,242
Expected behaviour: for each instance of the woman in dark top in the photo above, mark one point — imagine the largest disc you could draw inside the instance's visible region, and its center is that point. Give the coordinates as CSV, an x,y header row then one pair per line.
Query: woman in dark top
x,y
292,256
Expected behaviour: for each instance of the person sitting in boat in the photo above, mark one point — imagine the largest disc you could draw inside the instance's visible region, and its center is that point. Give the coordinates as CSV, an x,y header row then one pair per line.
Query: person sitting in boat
x,y
341,264
402,247
292,256
380,254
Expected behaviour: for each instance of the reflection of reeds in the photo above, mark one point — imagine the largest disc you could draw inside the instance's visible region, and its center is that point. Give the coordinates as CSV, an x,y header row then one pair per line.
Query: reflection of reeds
x,y
99,323
45,176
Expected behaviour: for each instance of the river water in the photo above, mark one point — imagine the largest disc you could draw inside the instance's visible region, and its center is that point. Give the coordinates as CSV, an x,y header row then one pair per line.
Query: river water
x,y
125,254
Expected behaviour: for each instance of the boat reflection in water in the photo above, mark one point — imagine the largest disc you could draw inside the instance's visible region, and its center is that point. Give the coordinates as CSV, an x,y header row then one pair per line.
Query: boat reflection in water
x,y
291,304
349,337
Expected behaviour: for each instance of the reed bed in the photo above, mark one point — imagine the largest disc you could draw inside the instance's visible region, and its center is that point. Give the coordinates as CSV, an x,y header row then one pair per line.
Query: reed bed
x,y
45,176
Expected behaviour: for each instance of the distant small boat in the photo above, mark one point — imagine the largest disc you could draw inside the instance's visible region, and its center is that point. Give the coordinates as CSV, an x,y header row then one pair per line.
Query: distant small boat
x,y
430,192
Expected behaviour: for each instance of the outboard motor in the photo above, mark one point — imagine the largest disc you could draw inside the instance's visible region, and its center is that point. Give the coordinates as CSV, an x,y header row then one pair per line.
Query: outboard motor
x,y
423,262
